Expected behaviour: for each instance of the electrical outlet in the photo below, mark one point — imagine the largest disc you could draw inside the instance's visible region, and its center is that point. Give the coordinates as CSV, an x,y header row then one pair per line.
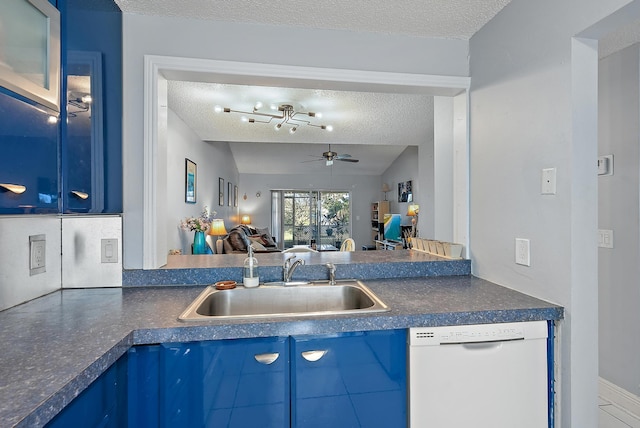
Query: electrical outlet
x,y
109,250
37,254
523,256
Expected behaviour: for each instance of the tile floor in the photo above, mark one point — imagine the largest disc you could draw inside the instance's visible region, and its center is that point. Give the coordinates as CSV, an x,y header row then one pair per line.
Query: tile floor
x,y
611,416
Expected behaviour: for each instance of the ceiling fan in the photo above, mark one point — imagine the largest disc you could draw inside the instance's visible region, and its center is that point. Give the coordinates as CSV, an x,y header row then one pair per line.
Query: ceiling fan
x,y
330,156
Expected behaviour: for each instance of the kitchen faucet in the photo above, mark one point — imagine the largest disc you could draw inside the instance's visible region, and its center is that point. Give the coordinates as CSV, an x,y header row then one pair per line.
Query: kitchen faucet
x,y
288,268
332,273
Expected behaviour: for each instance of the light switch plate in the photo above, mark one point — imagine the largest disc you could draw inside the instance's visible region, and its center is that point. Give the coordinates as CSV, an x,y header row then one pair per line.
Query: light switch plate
x,y
548,181
605,165
605,238
109,250
37,254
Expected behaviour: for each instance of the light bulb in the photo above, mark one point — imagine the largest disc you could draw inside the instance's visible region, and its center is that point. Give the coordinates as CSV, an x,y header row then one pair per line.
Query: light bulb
x,y
293,130
258,106
318,115
329,128
52,120
244,119
217,109
277,127
86,99
273,107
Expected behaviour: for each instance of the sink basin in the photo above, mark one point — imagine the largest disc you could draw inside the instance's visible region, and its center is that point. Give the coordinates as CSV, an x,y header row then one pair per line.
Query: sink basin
x,y
280,300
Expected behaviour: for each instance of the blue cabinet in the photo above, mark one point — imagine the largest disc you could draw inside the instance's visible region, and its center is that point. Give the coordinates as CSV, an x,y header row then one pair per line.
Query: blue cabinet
x,y
345,380
349,380
226,383
102,404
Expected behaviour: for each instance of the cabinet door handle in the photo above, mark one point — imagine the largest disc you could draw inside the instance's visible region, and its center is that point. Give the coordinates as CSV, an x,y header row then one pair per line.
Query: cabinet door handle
x,y
266,358
313,355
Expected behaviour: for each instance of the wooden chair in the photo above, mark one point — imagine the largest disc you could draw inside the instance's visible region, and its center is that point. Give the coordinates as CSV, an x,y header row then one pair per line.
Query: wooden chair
x,y
348,245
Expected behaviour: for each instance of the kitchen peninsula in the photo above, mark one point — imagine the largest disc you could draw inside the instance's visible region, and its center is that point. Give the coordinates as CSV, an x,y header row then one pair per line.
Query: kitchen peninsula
x,y
55,346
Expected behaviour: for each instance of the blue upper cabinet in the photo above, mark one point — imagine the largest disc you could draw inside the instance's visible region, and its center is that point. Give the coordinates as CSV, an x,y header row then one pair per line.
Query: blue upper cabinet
x,y
66,157
91,131
28,158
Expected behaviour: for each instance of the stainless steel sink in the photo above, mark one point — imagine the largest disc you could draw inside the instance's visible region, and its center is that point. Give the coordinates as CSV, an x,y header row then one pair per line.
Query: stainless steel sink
x,y
280,300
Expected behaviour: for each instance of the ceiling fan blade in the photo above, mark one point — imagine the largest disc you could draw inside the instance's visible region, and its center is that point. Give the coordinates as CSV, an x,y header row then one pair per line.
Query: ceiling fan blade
x,y
344,155
313,160
347,160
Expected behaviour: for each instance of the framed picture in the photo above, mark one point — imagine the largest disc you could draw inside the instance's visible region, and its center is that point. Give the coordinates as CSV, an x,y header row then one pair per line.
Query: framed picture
x,y
229,194
221,191
190,181
405,191
235,196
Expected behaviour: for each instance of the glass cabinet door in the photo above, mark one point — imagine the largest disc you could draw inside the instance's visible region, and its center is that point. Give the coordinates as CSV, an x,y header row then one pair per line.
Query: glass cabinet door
x,y
30,50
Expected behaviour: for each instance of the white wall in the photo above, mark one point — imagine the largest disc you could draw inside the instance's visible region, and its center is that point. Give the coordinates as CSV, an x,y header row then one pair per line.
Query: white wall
x,y
442,209
204,39
213,160
619,210
522,120
405,168
364,190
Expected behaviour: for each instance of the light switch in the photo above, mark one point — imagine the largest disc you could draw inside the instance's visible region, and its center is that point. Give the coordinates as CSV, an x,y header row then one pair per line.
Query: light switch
x,y
109,250
605,165
605,238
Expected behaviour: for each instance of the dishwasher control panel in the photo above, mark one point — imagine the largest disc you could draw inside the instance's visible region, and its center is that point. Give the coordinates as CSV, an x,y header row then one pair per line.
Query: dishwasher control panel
x,y
433,336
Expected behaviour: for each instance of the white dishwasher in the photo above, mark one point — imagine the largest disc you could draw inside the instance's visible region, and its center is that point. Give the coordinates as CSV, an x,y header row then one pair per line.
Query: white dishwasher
x,y
481,376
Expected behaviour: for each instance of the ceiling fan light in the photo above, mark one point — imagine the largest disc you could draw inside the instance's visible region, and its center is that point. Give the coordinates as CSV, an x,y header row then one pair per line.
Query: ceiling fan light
x,y
329,162
278,126
293,130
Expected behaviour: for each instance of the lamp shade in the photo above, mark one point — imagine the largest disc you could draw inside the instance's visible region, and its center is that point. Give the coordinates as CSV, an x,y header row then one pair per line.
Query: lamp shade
x,y
245,219
385,187
413,209
217,227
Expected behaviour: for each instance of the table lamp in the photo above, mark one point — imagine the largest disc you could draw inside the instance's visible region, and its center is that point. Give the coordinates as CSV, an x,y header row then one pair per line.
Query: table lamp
x,y
245,219
217,229
385,189
412,211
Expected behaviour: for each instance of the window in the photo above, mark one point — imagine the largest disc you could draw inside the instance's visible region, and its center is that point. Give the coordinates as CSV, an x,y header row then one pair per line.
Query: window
x,y
299,216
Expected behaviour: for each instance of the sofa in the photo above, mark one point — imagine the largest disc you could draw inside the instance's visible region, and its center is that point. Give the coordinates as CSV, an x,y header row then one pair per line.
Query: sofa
x,y
240,237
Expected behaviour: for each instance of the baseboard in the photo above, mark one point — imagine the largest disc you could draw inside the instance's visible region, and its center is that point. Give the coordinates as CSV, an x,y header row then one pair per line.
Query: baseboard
x,y
619,397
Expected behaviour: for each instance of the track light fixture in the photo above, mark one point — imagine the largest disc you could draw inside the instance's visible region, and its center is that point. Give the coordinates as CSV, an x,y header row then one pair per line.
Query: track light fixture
x,y
282,114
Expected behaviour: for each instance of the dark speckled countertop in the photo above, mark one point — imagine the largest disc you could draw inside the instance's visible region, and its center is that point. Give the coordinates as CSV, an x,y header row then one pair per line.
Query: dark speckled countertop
x,y
55,346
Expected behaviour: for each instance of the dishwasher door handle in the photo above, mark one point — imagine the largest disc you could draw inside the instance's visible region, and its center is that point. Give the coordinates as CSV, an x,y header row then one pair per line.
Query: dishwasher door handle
x,y
482,346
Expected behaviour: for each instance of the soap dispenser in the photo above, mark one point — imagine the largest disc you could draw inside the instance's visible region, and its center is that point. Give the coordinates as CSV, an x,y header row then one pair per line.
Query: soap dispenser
x,y
250,277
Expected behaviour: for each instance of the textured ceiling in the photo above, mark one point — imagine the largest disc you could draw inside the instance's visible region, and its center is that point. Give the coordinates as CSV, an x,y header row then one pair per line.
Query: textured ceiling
x,y
456,19
376,120
621,38
373,127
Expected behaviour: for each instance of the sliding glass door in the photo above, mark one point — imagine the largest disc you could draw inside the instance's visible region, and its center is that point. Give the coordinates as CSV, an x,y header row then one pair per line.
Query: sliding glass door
x,y
302,216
